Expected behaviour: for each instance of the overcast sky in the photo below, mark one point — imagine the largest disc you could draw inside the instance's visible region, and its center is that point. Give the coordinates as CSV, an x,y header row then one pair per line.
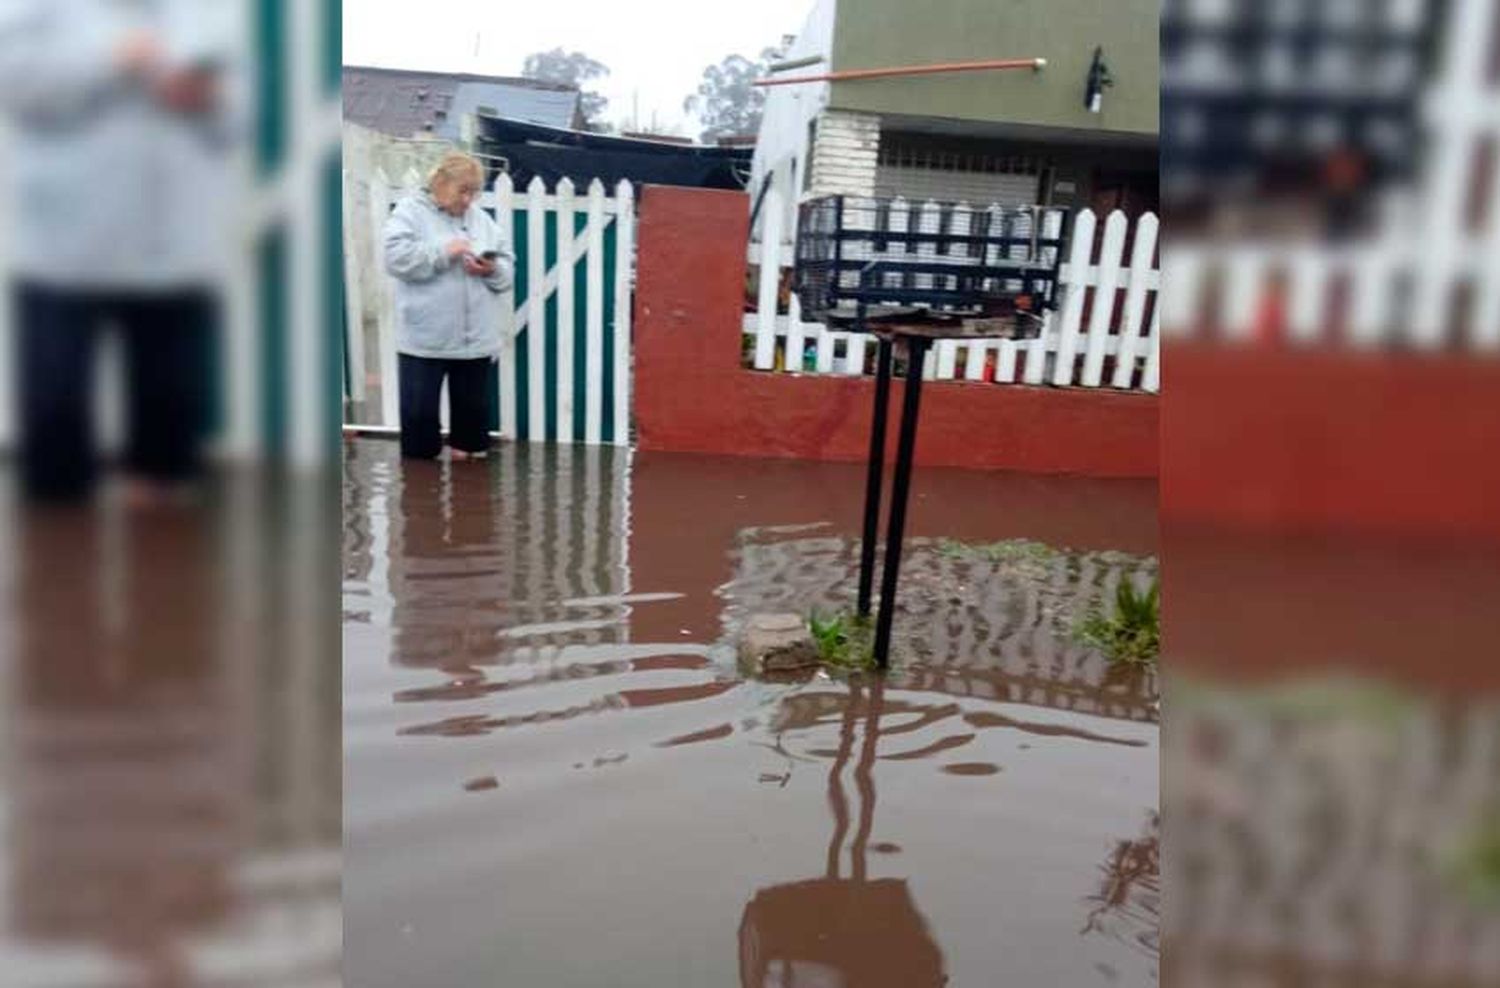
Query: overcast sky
x,y
656,50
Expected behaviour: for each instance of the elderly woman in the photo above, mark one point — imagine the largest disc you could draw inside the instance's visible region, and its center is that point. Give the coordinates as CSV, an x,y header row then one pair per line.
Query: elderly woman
x,y
451,261
122,119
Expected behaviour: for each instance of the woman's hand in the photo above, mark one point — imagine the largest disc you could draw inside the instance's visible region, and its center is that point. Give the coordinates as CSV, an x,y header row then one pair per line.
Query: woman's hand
x,y
478,266
458,247
190,90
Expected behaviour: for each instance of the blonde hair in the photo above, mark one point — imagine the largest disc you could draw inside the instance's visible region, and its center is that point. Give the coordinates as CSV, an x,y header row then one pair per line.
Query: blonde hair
x,y
455,166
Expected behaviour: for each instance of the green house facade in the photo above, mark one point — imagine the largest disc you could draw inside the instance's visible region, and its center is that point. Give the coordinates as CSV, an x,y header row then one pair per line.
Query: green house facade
x,y
1013,136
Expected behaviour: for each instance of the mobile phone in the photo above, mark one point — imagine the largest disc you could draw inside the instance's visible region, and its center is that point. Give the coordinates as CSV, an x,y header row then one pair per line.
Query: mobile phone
x,y
490,255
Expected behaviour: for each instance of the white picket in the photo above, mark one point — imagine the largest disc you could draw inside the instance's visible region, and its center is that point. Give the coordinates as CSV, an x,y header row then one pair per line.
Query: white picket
x,y
1005,362
1310,276
1151,376
1371,293
1485,332
381,196
354,310
536,308
1245,280
796,335
624,251
593,361
1135,300
1182,280
565,217
505,365
770,277
1068,336
1104,298
1485,336
1459,82
974,360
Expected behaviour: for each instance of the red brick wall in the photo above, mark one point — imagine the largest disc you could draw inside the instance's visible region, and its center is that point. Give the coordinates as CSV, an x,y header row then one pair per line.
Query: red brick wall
x,y
1268,438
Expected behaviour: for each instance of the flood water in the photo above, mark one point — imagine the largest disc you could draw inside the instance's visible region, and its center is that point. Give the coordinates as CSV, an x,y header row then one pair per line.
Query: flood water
x,y
555,773
169,758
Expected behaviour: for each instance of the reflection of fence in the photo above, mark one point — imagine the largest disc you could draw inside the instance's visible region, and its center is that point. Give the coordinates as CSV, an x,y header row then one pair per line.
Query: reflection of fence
x,y
536,561
1094,338
181,779
564,362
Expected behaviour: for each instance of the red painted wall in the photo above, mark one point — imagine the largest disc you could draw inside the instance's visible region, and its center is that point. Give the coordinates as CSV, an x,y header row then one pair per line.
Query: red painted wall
x,y
692,395
1269,438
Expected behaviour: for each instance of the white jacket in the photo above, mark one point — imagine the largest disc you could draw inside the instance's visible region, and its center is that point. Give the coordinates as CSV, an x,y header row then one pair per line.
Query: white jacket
x,y
442,310
107,188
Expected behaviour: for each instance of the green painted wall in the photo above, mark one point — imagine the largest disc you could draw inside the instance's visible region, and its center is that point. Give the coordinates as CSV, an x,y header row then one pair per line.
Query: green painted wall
x,y
886,33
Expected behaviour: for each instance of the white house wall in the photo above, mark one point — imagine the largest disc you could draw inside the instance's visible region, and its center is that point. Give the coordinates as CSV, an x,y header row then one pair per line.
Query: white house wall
x,y
782,141
845,154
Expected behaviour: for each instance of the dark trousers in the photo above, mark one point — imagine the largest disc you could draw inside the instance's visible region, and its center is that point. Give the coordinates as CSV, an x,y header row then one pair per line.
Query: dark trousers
x,y
165,339
468,404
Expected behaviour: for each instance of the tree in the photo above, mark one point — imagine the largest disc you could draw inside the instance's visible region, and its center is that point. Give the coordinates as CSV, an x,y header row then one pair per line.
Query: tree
x,y
571,69
726,102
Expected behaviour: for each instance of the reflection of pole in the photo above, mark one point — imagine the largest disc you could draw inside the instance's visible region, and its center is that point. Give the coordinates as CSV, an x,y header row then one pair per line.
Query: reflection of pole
x,y
836,799
876,468
865,780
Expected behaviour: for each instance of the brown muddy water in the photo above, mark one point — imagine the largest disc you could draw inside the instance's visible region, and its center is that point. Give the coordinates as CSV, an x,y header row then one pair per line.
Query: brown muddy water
x,y
169,756
555,775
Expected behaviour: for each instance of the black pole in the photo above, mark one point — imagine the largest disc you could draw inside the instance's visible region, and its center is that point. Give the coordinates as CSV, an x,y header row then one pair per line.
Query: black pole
x,y
916,352
876,468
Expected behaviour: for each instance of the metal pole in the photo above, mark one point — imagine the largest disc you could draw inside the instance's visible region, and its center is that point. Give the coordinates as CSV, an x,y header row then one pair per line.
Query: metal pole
x,y
916,348
875,469
1035,64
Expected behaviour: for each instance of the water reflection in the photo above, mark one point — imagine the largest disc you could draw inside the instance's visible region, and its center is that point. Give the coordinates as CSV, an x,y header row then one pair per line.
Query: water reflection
x,y
1127,906
841,929
551,756
171,789
513,559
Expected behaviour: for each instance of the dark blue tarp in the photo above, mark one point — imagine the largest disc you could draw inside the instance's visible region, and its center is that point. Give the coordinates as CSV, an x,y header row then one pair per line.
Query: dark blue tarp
x,y
532,150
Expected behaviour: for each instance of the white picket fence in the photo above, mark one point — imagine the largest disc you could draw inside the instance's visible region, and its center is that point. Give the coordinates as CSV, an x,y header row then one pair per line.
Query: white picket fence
x,y
1068,352
1428,278
525,326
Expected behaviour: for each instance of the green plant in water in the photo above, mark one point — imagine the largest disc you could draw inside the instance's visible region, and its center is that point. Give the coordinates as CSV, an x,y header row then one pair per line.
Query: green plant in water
x,y
1131,632
843,640
1474,865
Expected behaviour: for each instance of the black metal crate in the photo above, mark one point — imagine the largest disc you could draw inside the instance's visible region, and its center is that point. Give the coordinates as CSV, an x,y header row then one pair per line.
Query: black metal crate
x,y
864,258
